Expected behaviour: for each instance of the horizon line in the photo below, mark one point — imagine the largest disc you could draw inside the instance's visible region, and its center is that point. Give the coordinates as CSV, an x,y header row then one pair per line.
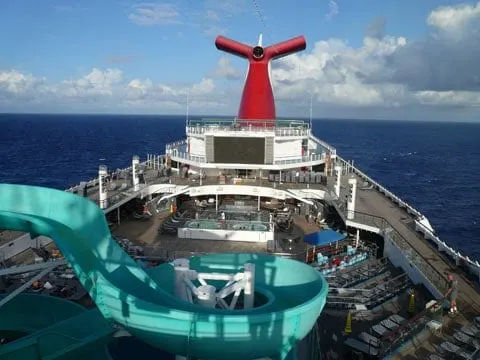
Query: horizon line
x,y
183,116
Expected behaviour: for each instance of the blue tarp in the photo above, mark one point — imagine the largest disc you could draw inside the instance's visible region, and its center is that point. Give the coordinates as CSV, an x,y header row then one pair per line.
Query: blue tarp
x,y
323,237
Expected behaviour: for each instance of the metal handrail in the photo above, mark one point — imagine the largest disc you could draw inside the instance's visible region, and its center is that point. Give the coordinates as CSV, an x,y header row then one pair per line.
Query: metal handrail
x,y
415,258
392,337
279,132
379,187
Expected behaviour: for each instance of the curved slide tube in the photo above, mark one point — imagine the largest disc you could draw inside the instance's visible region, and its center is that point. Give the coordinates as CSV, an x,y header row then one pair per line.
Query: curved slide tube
x,y
143,301
47,327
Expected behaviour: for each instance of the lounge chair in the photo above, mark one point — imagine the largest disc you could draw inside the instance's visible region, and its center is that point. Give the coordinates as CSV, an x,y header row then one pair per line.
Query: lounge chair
x,y
362,347
470,330
400,320
380,329
389,324
455,350
464,339
369,339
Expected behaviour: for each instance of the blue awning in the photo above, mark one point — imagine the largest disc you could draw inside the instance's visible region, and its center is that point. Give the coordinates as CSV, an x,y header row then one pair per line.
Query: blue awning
x,y
323,237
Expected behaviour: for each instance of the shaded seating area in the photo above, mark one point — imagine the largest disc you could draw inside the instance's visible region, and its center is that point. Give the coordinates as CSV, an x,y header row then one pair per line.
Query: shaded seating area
x,y
327,243
323,237
357,274
330,252
369,295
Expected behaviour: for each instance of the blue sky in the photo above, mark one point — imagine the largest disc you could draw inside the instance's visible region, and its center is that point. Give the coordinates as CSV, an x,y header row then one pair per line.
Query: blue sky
x,y
143,57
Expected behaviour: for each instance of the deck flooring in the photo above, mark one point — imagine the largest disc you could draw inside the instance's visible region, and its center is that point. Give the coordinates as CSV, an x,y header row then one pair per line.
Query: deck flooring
x,y
368,201
374,203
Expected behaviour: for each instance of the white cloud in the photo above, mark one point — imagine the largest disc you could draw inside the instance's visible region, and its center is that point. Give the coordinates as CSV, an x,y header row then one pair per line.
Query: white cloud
x,y
441,71
154,14
381,78
333,8
213,30
454,17
227,8
211,15
15,83
103,90
226,70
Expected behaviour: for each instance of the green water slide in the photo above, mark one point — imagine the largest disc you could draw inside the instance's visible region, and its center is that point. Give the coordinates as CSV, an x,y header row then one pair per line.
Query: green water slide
x,y
48,327
143,301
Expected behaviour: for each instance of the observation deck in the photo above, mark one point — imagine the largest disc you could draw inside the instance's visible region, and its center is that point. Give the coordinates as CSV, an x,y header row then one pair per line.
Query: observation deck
x,y
249,144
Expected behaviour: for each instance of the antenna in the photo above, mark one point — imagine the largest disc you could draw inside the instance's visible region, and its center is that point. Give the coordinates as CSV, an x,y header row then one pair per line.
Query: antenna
x,y
311,110
188,104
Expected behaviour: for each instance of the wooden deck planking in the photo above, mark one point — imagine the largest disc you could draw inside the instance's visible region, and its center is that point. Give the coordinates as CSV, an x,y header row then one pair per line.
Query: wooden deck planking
x,y
304,225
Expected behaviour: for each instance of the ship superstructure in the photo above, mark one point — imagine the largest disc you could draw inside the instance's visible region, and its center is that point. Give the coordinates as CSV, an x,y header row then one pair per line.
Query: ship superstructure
x,y
262,192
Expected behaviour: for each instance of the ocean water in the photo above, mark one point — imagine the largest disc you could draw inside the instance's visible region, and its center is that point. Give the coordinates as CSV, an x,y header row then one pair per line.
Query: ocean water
x,y
433,166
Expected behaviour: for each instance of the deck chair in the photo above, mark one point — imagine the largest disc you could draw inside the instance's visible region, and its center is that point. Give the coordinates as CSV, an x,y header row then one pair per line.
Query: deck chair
x,y
400,320
362,347
464,339
455,350
435,357
369,339
470,330
476,322
389,324
380,329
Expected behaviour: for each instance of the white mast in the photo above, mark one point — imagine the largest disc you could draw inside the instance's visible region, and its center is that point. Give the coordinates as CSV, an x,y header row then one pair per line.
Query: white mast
x,y
311,110
188,104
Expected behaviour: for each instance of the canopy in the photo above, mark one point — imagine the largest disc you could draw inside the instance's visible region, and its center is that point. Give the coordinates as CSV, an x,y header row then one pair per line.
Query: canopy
x,y
323,237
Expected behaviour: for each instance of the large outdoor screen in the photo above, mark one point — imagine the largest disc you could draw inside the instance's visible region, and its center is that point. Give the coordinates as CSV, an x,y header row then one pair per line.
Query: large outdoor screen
x,y
239,150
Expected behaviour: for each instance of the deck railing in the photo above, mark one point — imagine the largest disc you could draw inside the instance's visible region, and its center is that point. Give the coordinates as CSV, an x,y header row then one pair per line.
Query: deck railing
x,y
327,146
419,218
413,256
237,131
178,150
412,327
382,189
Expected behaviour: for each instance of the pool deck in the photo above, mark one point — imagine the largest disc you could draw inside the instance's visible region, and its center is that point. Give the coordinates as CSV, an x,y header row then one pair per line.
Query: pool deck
x,y
370,202
145,233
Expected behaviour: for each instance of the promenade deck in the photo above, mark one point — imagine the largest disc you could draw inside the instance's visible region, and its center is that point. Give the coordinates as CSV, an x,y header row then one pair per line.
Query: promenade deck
x,y
374,203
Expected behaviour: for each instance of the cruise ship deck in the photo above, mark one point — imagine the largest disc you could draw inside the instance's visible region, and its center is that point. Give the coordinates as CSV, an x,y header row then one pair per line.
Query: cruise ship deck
x,y
374,212
373,290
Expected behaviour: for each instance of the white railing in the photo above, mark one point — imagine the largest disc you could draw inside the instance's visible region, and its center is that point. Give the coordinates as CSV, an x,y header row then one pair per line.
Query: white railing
x,y
382,189
427,231
474,266
294,160
300,159
94,181
278,131
175,145
286,131
326,145
186,156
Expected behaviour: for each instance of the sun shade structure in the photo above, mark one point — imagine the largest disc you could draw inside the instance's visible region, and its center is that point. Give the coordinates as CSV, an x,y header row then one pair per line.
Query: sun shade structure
x,y
323,237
